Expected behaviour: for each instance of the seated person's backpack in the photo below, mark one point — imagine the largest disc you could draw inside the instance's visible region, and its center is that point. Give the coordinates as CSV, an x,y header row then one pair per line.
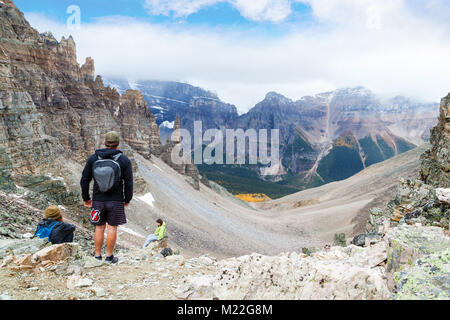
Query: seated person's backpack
x,y
44,230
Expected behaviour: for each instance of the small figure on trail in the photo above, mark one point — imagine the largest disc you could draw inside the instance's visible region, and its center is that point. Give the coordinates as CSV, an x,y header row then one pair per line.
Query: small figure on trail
x,y
159,233
113,190
53,227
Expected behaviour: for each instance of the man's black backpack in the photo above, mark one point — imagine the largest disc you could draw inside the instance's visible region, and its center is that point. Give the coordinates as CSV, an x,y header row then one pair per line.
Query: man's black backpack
x,y
107,173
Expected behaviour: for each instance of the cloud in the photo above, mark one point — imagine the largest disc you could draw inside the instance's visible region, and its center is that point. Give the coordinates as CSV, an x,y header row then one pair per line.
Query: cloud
x,y
256,10
391,47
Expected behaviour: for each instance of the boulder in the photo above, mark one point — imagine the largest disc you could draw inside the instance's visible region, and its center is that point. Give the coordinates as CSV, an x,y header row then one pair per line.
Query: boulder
x,y
99,292
443,195
411,194
339,273
374,215
76,281
366,239
18,247
428,279
407,244
196,288
91,262
55,253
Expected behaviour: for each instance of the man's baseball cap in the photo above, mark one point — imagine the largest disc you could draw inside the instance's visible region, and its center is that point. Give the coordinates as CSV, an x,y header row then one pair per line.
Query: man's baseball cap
x,y
112,137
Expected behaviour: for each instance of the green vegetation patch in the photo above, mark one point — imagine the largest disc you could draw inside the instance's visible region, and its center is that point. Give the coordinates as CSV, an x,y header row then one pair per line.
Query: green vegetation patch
x,y
387,150
341,163
403,145
371,150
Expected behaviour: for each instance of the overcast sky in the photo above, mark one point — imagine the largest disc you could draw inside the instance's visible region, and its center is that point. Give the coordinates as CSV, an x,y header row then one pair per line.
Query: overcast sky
x,y
243,49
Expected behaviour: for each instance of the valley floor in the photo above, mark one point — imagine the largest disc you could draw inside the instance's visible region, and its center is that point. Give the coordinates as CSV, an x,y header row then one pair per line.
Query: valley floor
x,y
215,222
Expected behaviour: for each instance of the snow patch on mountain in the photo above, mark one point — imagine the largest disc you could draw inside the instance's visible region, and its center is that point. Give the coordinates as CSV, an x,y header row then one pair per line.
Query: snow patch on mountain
x,y
168,124
148,199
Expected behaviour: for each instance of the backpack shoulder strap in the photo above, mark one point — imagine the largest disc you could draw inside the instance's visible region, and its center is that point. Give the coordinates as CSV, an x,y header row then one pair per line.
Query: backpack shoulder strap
x,y
54,224
117,156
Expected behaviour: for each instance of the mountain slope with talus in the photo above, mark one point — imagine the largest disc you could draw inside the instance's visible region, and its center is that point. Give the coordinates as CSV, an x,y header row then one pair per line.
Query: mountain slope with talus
x,y
212,220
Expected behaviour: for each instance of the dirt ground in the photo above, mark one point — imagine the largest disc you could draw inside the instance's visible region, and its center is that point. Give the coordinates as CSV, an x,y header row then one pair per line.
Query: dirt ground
x,y
135,278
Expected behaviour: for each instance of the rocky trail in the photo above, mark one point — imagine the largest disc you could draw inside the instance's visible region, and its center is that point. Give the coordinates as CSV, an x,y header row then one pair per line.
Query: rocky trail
x,y
140,274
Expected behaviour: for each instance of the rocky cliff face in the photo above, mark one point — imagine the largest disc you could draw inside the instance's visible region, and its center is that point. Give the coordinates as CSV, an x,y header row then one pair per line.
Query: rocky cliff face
x,y
435,162
54,112
169,100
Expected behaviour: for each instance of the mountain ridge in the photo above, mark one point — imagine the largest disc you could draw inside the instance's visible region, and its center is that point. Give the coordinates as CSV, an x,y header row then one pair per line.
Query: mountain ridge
x,y
309,128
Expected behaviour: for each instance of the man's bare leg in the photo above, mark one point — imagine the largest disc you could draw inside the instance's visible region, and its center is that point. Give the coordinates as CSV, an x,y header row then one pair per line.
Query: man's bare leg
x,y
99,237
111,240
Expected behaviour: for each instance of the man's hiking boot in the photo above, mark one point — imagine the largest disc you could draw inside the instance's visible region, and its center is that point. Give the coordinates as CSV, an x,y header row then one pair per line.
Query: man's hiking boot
x,y
99,258
112,259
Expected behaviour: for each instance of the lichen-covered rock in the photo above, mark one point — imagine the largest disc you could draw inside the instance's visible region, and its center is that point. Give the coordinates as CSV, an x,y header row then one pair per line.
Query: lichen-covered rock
x,y
407,244
376,219
411,194
428,279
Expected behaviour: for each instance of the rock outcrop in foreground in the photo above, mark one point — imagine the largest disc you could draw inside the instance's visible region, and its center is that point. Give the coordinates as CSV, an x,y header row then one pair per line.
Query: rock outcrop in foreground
x,y
436,162
337,273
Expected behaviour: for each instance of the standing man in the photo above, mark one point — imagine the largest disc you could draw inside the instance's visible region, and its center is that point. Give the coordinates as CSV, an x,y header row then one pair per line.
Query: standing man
x,y
113,190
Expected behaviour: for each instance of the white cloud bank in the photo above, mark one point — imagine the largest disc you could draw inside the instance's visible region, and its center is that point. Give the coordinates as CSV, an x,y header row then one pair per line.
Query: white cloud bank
x,y
389,46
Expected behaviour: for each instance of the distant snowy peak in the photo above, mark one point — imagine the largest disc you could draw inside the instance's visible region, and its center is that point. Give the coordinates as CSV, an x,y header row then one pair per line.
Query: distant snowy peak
x,y
354,91
168,124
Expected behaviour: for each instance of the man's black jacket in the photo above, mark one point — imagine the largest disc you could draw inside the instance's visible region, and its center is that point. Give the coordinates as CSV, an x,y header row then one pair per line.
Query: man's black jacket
x,y
122,192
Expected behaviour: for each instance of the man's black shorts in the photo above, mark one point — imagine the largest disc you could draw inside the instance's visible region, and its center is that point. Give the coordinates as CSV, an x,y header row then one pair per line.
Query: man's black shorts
x,y
111,212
